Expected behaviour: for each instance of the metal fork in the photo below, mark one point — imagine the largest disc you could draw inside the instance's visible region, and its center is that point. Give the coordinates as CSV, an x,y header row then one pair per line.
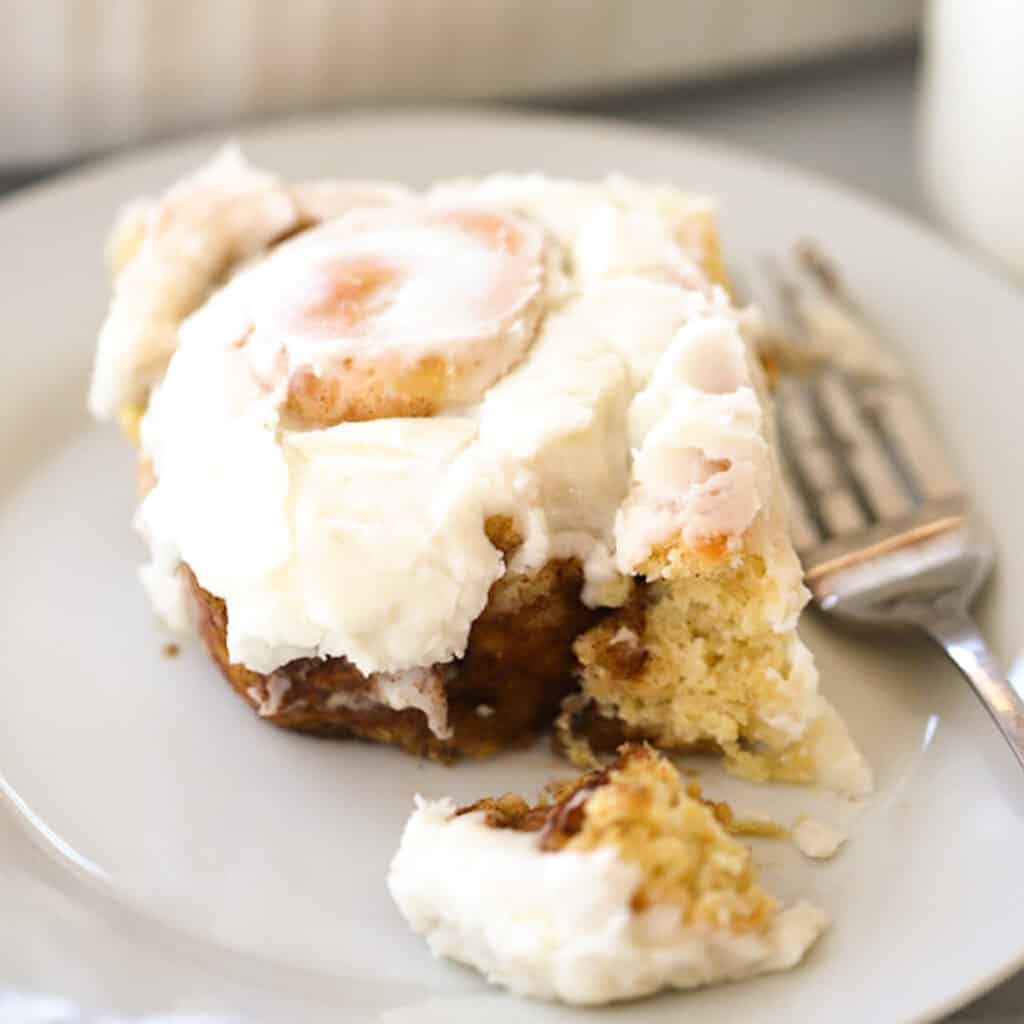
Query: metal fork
x,y
881,523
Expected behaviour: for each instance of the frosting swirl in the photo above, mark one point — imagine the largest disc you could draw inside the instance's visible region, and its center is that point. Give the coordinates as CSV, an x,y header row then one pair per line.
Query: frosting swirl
x,y
397,312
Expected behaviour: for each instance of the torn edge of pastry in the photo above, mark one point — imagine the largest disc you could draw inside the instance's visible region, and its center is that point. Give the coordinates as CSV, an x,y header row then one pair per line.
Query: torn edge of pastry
x,y
611,887
705,655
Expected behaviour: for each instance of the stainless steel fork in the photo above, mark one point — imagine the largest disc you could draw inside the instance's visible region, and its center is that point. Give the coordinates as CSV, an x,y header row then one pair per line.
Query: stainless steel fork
x,y
885,532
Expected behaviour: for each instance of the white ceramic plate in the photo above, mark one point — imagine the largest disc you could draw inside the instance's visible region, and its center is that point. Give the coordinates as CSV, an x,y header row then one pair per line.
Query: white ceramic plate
x,y
165,850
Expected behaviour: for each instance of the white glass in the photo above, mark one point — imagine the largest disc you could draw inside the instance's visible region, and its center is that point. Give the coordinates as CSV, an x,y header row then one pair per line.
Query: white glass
x,y
972,123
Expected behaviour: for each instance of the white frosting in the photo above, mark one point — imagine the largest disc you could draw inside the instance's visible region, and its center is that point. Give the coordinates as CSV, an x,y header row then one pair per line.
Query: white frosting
x,y
701,466
560,925
168,254
419,688
324,200
625,636
818,839
321,543
428,281
610,228
162,578
271,702
632,418
225,212
840,765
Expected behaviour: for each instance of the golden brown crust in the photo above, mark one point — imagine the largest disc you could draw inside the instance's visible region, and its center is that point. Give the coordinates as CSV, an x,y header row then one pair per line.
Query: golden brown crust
x,y
351,395
675,837
559,812
639,806
508,686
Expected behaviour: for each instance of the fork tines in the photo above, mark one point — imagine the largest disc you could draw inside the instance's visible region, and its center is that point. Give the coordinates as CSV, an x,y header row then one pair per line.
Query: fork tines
x,y
857,448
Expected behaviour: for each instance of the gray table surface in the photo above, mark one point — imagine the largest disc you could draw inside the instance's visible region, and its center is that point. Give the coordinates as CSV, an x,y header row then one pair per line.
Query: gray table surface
x,y
852,121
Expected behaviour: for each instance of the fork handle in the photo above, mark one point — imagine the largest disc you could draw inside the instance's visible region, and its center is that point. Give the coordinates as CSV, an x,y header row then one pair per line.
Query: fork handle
x,y
958,636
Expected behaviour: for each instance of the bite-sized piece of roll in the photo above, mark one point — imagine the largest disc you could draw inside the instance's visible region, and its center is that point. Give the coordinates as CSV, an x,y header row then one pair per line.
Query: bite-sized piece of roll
x,y
613,886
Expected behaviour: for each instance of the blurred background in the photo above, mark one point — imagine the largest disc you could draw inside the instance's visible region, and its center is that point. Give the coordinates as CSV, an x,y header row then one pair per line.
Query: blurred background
x,y
84,75
920,103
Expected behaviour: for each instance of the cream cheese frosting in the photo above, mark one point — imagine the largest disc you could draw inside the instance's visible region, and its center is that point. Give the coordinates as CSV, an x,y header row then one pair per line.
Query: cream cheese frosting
x,y
560,925
166,255
395,311
701,464
620,412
